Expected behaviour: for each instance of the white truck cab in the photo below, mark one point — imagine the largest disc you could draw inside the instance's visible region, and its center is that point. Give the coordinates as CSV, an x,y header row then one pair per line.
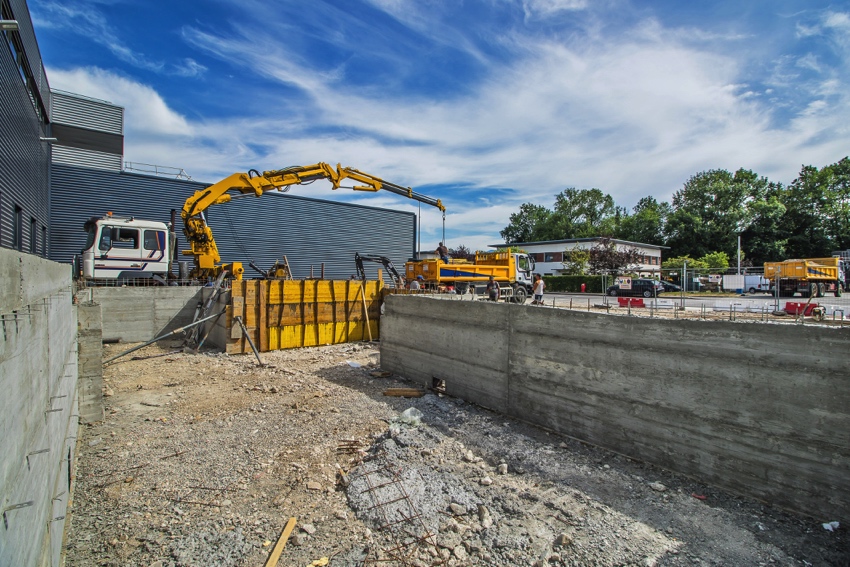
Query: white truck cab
x,y
124,248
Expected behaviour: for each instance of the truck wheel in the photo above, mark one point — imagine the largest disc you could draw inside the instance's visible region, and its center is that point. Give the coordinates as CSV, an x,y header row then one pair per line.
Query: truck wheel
x,y
838,289
461,288
813,289
520,294
821,290
752,291
647,293
613,293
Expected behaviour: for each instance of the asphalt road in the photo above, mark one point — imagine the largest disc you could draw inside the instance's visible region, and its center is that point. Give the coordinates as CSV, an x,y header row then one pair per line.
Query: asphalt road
x,y
694,299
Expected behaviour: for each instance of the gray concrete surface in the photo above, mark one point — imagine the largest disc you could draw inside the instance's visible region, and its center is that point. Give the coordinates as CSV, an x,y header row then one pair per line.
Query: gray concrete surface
x,y
760,410
138,314
90,361
38,407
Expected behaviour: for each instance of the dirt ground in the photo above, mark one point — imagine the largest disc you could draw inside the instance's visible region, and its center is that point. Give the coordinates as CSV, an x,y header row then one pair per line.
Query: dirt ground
x,y
202,459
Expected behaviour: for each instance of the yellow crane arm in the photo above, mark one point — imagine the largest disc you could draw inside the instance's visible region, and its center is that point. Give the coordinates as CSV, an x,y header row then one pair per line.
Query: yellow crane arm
x,y
199,234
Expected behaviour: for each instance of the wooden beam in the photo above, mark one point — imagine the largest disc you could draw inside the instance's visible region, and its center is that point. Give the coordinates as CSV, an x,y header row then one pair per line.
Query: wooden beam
x,y
281,543
404,392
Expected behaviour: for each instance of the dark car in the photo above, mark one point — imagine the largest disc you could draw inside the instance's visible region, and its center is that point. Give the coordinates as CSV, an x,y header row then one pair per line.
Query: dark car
x,y
669,286
640,286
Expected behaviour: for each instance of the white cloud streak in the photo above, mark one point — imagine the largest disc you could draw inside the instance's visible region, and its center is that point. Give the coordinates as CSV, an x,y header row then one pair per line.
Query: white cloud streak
x,y
633,114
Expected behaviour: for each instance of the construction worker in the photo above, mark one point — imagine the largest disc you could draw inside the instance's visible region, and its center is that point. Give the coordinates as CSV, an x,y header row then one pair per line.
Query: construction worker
x,y
493,289
443,253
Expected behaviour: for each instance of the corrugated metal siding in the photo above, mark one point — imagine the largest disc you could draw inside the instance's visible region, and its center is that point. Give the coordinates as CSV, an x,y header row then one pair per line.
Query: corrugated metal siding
x,y
23,158
82,112
78,193
307,231
63,155
33,55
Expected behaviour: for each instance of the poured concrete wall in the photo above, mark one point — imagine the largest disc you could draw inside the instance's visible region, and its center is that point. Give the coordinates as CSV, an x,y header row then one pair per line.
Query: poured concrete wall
x,y
138,314
759,409
90,362
38,415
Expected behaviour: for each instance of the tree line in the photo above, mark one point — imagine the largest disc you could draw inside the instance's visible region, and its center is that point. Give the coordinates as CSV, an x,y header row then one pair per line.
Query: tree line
x,y
808,218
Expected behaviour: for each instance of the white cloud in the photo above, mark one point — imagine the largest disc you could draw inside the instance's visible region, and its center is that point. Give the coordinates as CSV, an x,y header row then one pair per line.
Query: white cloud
x,y
146,113
838,20
545,8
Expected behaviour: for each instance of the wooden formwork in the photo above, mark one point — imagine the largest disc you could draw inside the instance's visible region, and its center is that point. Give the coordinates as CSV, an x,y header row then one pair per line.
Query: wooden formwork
x,y
298,313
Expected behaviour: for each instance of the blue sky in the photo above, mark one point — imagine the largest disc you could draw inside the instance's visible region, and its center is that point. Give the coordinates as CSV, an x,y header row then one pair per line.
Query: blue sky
x,y
485,104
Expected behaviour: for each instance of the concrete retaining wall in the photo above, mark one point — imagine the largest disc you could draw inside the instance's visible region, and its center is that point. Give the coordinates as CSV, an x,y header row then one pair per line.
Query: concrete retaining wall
x,y
138,314
38,406
762,410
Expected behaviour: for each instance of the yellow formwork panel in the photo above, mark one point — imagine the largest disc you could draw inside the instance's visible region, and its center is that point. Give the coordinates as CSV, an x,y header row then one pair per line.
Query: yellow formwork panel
x,y
318,291
299,313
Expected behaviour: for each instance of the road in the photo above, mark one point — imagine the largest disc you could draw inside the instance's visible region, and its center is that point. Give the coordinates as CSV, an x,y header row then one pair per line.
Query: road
x,y
693,299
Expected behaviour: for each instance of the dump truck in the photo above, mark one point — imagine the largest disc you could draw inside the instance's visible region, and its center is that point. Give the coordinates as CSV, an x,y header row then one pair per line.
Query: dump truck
x,y
812,277
513,271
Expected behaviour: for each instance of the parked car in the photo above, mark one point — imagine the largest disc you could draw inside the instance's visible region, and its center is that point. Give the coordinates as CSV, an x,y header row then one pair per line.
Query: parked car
x,y
671,287
640,286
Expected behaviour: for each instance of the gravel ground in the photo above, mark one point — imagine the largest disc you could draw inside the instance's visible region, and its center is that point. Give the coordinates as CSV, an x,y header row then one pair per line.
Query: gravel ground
x,y
202,459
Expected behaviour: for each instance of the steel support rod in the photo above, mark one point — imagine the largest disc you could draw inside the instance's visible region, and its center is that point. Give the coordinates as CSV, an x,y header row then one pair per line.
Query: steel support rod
x,y
250,342
165,336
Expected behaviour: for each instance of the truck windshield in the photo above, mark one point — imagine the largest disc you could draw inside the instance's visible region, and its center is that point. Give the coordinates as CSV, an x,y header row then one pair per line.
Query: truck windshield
x,y
90,234
522,263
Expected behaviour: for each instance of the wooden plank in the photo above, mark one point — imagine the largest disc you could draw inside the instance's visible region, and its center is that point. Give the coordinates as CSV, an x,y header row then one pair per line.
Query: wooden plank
x,y
274,557
366,311
262,323
404,392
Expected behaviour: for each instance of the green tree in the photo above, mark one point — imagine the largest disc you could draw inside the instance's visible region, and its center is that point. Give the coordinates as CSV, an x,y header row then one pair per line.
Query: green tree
x,y
531,223
576,261
711,210
679,261
646,223
817,211
766,237
584,213
715,261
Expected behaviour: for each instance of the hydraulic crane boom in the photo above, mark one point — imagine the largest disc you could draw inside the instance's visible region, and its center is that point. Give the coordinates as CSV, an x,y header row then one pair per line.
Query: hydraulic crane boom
x,y
199,234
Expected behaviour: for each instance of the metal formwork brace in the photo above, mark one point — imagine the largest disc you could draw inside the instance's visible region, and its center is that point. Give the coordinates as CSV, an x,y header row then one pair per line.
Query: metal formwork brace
x,y
14,507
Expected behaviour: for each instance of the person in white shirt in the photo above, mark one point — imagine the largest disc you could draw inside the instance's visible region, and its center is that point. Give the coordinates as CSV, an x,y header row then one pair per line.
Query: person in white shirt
x,y
417,283
538,290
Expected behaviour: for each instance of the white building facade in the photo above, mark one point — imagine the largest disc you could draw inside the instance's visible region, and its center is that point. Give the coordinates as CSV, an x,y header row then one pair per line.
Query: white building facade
x,y
549,255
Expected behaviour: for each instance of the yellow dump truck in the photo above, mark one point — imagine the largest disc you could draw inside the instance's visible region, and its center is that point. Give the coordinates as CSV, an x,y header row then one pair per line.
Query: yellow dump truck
x,y
809,276
513,271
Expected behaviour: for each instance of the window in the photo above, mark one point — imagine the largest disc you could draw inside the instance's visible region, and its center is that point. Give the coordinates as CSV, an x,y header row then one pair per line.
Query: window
x,y
116,237
128,239
44,241
18,229
153,239
553,257
33,236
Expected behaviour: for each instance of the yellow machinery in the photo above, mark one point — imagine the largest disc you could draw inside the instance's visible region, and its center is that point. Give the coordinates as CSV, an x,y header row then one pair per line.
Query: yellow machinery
x,y
813,277
199,234
511,269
